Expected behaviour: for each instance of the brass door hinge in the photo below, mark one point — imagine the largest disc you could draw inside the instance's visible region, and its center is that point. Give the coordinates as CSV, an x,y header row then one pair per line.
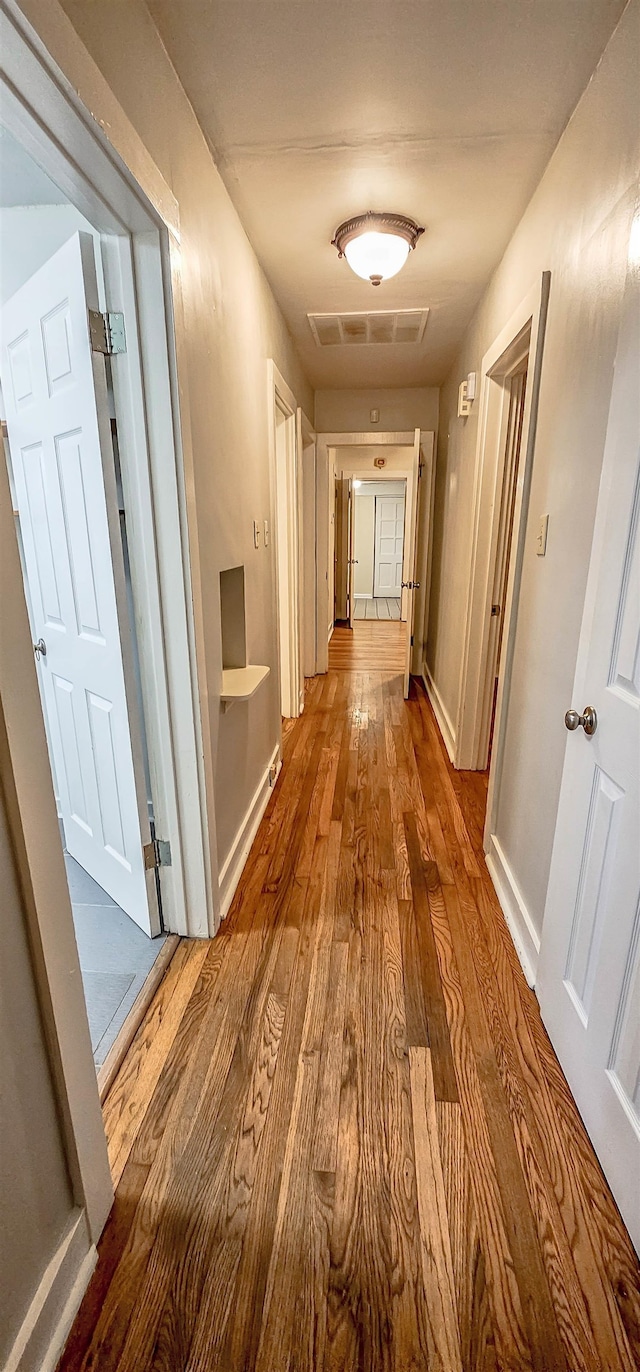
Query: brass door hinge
x,y
157,853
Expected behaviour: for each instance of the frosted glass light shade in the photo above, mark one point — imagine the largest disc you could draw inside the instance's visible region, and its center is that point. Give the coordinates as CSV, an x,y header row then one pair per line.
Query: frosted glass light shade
x,y
376,246
376,256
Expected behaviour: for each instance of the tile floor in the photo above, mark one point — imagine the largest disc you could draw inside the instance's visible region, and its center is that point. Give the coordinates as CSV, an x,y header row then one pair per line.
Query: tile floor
x,y
115,957
379,607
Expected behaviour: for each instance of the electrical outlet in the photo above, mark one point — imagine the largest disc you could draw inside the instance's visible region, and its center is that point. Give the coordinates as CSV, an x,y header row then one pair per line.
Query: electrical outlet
x,y
374,416
256,534
541,540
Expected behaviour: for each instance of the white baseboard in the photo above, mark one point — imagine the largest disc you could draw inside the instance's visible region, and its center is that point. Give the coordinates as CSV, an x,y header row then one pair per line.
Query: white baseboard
x,y
232,867
362,595
519,922
444,723
47,1323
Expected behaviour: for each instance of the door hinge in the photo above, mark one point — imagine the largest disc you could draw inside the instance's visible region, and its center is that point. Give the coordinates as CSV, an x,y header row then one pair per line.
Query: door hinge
x,y
495,610
106,332
157,853
411,641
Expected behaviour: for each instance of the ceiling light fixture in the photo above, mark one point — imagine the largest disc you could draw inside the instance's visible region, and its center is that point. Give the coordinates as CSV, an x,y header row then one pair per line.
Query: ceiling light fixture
x,y
376,246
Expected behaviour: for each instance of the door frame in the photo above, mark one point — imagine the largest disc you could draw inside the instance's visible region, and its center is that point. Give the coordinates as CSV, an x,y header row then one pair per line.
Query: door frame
x,y
117,187
326,443
530,317
306,439
286,498
137,216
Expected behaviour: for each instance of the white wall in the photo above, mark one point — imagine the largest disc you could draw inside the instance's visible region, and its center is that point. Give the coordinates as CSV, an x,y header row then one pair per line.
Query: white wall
x,y
577,225
233,326
29,236
348,411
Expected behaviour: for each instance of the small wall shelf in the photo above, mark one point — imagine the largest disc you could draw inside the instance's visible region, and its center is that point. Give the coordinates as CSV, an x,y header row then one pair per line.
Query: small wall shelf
x,y
241,683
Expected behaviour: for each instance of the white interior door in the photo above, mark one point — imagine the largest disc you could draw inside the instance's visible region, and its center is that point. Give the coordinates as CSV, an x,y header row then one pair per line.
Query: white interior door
x,y
388,546
55,398
589,970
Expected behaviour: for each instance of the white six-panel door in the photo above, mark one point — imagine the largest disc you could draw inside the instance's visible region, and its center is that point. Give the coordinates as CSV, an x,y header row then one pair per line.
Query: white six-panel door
x,y
389,545
589,969
56,406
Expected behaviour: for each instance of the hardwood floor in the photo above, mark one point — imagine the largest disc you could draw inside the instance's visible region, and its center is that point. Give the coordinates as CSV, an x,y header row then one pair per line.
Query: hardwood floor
x,y
341,1137
372,645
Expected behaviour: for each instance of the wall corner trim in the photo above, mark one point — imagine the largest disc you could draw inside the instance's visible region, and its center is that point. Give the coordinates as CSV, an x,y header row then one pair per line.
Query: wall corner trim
x,y
47,1323
519,922
444,723
233,865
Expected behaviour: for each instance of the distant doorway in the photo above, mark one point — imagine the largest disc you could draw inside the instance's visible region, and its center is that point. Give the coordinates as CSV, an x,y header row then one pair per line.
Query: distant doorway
x,y
379,531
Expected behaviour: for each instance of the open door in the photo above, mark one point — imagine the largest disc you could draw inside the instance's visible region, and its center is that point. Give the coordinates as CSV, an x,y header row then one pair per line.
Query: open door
x,y
351,525
588,981
344,550
55,397
409,582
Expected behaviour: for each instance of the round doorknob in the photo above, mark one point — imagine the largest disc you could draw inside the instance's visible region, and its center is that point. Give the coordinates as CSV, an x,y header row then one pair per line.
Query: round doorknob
x,y
40,648
588,719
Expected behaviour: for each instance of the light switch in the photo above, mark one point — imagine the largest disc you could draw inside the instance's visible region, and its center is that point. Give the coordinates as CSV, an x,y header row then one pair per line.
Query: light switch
x,y
541,541
266,533
256,534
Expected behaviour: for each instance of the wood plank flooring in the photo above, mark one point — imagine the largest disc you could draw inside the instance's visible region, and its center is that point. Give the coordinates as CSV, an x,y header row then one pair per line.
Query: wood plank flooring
x,y
374,645
341,1138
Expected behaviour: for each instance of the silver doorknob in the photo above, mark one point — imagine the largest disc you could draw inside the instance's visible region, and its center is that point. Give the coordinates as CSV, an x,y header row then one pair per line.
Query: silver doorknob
x,y
40,648
588,719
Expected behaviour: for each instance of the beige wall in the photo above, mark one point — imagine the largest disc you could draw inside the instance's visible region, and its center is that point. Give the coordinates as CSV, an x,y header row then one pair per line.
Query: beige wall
x,y
36,1202
232,326
348,411
577,225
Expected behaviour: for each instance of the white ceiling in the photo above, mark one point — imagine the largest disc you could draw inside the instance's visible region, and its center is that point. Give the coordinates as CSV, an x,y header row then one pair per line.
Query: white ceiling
x,y
445,110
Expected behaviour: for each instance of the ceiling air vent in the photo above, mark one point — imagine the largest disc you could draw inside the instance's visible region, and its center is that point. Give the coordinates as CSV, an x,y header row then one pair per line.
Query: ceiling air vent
x,y
372,326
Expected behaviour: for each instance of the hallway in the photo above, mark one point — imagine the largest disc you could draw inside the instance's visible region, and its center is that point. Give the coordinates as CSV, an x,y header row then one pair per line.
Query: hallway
x,y
341,1138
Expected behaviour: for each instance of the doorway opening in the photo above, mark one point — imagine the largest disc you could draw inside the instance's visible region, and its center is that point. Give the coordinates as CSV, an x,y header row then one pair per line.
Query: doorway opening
x,y
399,467
515,390
379,531
60,443
287,503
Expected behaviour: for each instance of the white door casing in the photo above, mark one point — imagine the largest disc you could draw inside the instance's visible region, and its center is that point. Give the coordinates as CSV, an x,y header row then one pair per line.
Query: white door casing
x,y
589,970
59,437
389,546
410,559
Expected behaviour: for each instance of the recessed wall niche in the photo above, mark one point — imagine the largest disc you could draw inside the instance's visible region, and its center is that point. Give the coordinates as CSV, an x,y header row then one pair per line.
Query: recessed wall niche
x,y
232,616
